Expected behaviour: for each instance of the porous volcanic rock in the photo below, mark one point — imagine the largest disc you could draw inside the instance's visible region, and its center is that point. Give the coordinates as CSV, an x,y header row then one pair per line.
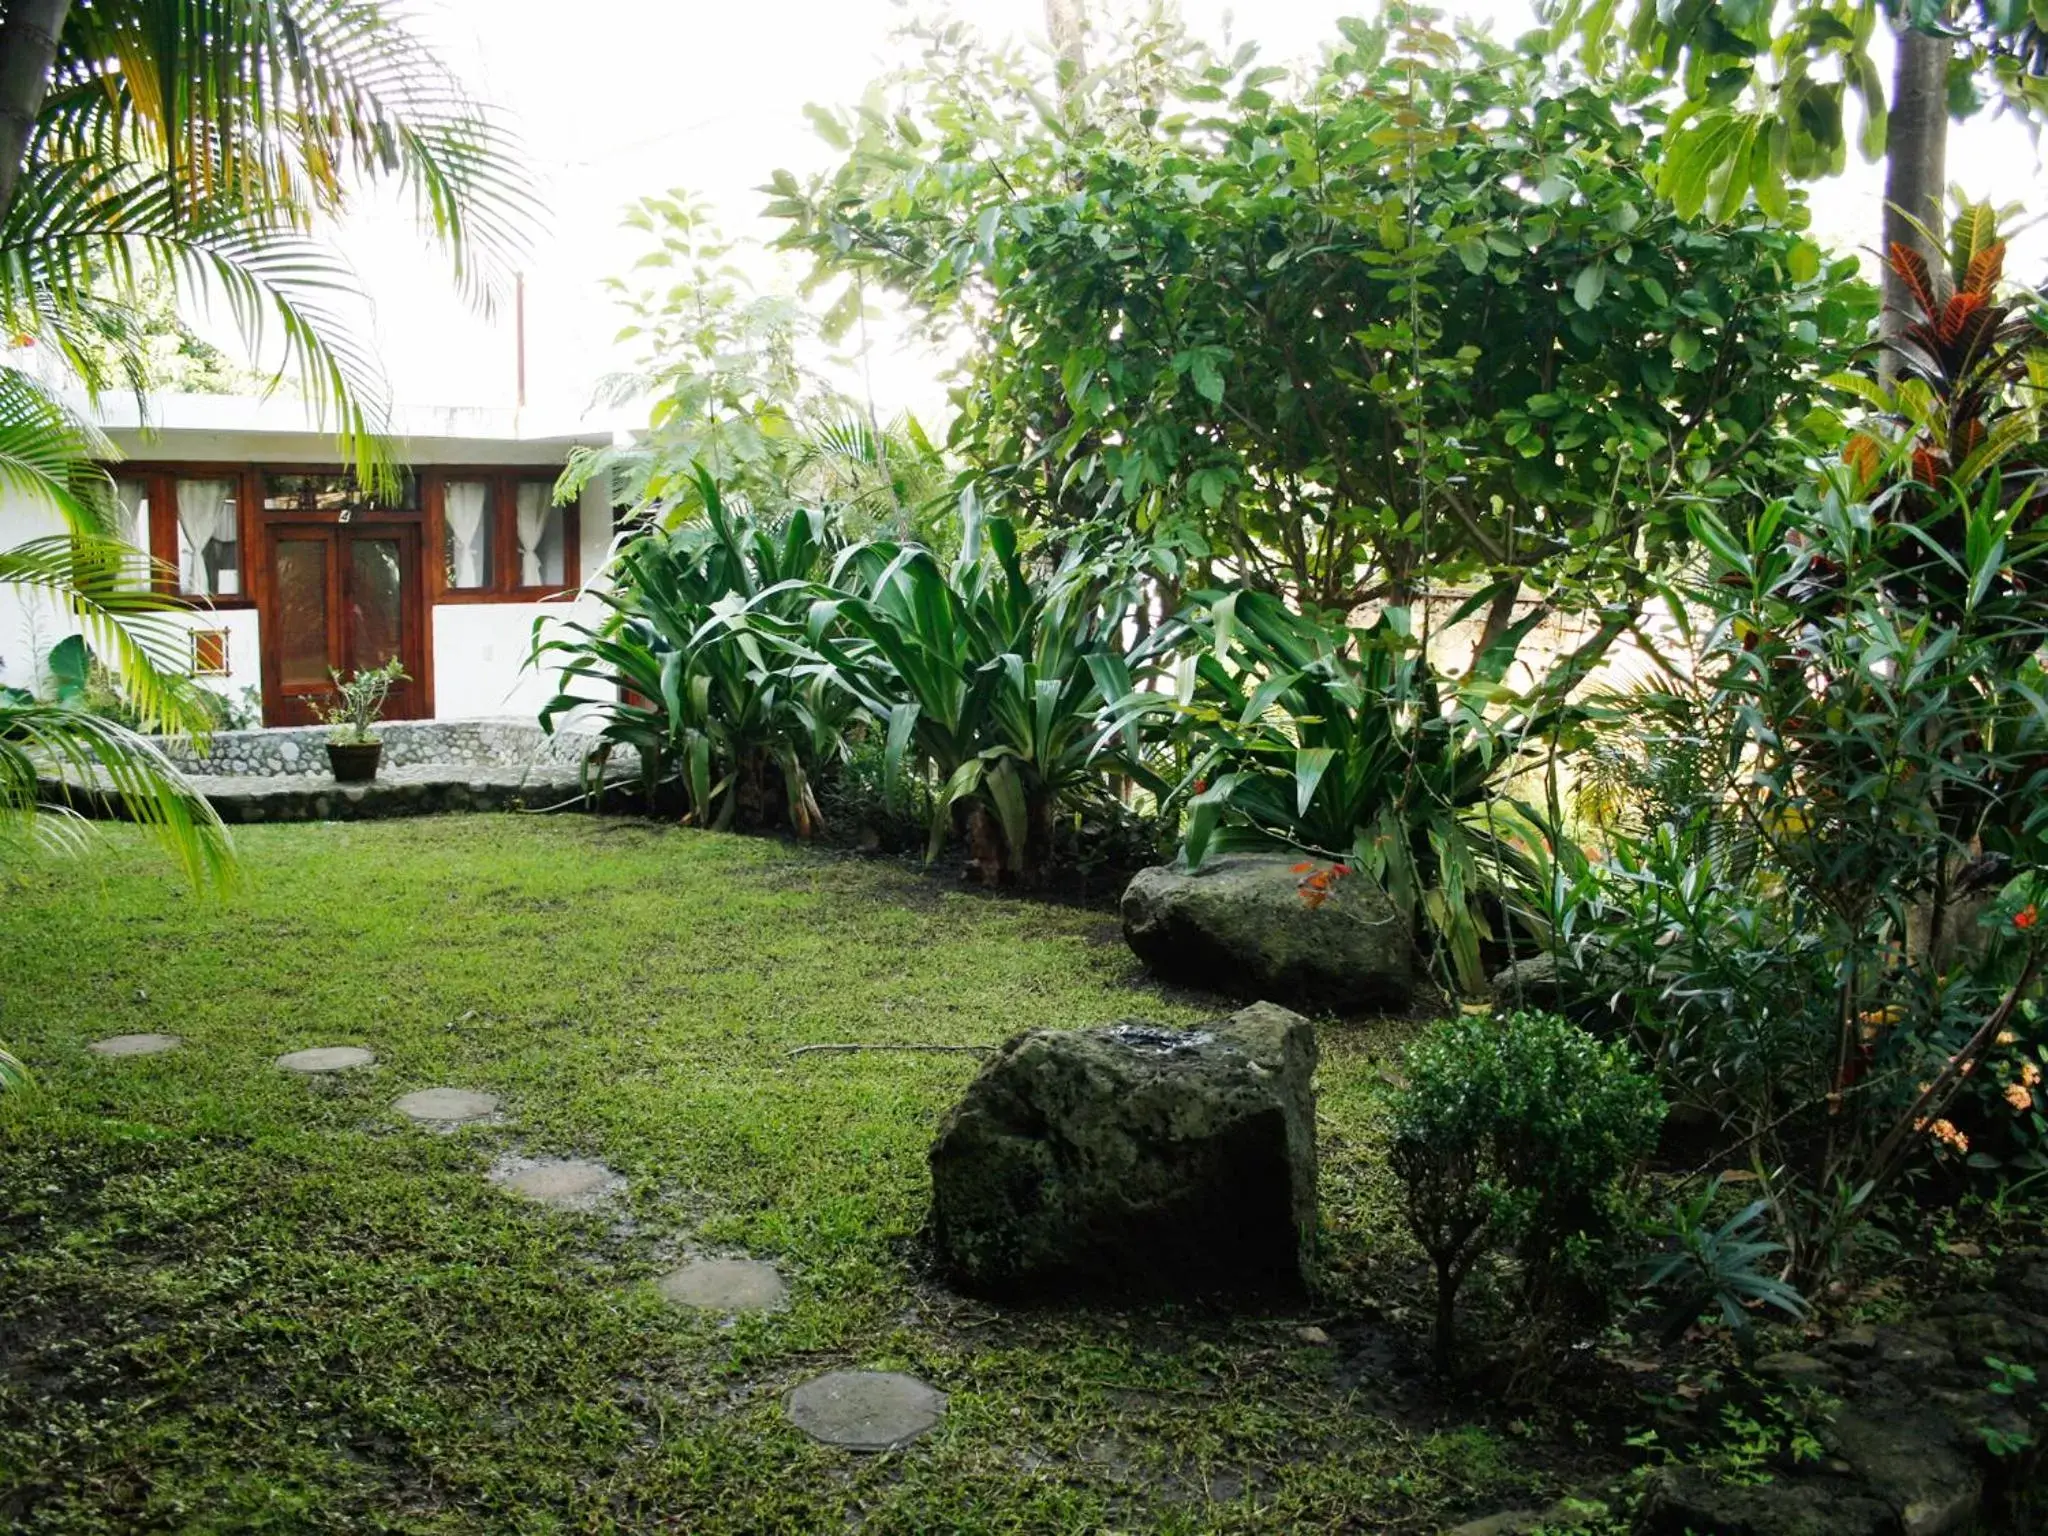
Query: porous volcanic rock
x,y
1134,1159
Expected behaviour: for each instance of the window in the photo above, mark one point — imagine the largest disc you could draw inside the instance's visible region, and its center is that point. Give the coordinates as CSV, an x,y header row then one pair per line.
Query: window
x,y
467,528
502,538
543,537
210,653
209,546
133,495
331,493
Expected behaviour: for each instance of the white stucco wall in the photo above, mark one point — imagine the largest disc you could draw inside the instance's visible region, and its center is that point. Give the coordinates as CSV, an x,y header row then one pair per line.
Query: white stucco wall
x,y
32,621
480,649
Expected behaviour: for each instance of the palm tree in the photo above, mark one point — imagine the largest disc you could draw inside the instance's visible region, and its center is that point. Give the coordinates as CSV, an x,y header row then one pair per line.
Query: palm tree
x,y
199,144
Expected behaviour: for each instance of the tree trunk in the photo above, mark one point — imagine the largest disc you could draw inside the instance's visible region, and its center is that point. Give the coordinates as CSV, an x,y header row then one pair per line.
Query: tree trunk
x,y
1500,613
1446,1338
1063,24
28,48
1916,156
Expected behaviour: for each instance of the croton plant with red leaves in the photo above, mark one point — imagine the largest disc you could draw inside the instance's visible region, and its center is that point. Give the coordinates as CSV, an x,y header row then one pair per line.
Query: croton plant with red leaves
x,y
1971,371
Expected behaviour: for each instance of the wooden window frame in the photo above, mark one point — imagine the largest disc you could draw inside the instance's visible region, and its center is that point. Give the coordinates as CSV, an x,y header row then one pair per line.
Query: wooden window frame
x,y
162,480
503,585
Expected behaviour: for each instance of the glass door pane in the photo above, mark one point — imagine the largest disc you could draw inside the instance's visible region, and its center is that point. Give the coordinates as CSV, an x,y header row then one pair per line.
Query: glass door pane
x,y
301,587
376,601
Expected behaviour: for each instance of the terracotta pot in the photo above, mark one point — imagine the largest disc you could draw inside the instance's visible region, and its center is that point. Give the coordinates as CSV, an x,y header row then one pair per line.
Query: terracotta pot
x,y
354,763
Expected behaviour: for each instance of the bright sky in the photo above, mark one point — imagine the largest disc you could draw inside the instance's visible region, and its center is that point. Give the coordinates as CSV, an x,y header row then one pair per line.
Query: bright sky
x,y
621,98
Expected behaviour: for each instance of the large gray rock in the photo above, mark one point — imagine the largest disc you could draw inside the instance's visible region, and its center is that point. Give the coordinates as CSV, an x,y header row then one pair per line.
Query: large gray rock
x,y
1243,925
1691,1501
1134,1158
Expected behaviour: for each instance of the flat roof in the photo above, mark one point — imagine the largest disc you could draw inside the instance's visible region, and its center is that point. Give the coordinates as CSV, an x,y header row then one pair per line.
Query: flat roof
x,y
284,430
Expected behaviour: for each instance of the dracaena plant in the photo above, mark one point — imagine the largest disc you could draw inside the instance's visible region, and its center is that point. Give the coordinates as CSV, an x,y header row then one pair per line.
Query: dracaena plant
x,y
720,723
1348,743
988,676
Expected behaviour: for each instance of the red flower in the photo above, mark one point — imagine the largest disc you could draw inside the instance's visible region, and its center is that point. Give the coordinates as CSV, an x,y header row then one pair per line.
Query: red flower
x,y
1340,869
1201,786
2026,917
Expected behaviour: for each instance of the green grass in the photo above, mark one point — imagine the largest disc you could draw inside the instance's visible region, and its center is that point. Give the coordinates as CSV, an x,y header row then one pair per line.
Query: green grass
x,y
235,1300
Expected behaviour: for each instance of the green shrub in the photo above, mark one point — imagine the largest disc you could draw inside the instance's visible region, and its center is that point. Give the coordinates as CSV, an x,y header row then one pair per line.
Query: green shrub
x,y
735,732
1521,1132
1304,731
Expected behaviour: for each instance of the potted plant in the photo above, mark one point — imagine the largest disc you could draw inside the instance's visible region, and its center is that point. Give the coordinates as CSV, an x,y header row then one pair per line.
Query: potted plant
x,y
352,747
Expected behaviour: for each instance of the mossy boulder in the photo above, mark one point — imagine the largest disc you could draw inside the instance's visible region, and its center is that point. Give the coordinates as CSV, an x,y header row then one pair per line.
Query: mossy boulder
x,y
1244,925
1134,1159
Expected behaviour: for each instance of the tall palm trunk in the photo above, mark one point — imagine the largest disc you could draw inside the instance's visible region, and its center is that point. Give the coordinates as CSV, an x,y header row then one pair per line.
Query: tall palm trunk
x,y
1916,157
28,47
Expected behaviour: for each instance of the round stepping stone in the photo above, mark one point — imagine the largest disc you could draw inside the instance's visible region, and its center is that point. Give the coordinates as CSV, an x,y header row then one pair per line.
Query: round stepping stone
x,y
571,1184
326,1058
447,1106
134,1045
865,1410
725,1285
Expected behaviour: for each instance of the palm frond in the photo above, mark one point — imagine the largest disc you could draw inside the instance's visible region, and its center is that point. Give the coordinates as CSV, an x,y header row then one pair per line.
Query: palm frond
x,y
76,227
109,588
54,754
280,107
47,453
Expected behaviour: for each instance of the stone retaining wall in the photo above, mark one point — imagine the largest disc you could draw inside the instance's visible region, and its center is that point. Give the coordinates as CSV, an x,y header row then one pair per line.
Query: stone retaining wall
x,y
295,751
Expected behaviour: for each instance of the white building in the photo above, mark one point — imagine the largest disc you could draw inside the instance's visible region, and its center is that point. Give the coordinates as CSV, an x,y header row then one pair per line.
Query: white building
x,y
291,572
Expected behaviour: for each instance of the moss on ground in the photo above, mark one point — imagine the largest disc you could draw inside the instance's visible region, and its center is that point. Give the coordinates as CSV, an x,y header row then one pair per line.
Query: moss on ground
x,y
237,1300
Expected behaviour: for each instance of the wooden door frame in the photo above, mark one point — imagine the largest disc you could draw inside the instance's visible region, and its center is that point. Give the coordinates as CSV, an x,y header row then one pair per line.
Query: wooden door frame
x,y
270,632
413,617
415,620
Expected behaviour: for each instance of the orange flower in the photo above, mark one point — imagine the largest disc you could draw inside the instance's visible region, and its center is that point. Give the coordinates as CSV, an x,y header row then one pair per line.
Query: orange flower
x,y
2026,917
1945,1131
1302,869
2030,1075
2017,1096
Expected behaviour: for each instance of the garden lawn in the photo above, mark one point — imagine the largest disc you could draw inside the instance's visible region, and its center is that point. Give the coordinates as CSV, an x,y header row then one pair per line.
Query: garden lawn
x,y
235,1299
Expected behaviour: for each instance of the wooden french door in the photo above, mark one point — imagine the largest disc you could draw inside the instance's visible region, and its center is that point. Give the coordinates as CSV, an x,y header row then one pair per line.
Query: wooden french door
x,y
343,597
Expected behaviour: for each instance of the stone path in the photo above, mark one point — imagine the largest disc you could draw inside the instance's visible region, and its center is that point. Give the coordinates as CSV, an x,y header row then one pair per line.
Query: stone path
x,y
135,1045
567,1184
865,1410
447,1106
725,1285
326,1058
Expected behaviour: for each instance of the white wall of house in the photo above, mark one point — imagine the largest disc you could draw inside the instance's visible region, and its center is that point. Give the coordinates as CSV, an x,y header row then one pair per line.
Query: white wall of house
x,y
479,648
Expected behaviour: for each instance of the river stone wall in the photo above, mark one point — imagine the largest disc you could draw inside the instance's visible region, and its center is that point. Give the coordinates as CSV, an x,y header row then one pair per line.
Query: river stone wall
x,y
301,751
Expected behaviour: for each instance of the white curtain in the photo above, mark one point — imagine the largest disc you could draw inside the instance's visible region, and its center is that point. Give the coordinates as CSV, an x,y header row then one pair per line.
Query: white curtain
x,y
134,495
462,506
134,529
206,513
533,527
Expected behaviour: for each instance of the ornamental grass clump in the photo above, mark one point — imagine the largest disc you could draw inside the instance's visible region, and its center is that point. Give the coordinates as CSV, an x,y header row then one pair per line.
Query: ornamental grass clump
x,y
1522,1134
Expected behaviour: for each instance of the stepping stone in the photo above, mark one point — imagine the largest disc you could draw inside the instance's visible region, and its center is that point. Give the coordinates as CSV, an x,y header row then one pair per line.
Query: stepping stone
x,y
725,1285
135,1045
865,1410
567,1184
326,1058
447,1106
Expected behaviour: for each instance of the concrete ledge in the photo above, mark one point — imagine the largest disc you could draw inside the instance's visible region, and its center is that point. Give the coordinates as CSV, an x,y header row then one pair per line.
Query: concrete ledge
x,y
428,767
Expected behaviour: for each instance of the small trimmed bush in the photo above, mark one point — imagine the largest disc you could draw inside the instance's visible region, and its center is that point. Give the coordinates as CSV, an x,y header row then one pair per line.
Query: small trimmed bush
x,y
1521,1133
